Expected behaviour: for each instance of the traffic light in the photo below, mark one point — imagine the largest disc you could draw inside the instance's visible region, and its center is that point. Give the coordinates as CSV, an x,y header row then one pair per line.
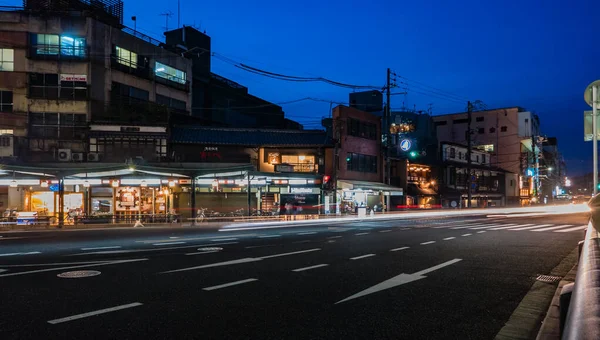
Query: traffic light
x,y
413,154
327,183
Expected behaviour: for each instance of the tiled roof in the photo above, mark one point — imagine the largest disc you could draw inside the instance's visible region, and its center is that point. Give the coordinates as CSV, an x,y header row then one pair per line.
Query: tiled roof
x,y
249,137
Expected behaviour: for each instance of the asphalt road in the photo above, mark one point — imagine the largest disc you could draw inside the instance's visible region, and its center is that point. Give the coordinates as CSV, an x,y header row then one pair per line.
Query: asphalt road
x,y
431,278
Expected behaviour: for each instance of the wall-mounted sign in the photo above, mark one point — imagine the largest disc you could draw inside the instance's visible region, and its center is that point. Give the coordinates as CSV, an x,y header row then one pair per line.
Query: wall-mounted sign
x,y
284,168
211,148
274,157
127,199
405,144
73,77
301,190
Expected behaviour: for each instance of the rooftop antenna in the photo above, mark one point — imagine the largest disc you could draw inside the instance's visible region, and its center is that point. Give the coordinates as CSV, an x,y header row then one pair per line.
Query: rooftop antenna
x,y
167,15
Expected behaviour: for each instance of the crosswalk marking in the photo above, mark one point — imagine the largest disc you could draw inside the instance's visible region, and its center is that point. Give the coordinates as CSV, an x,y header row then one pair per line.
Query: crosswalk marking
x,y
572,229
508,226
533,227
554,228
486,227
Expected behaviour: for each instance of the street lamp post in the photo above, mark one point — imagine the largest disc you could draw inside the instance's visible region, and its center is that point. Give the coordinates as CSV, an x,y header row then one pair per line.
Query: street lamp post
x,y
591,98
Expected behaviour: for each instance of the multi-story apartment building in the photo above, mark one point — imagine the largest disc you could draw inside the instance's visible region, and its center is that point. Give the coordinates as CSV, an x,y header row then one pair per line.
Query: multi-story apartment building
x,y
509,134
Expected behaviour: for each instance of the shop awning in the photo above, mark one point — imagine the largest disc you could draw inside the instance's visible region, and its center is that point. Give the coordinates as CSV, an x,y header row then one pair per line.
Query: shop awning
x,y
364,185
414,190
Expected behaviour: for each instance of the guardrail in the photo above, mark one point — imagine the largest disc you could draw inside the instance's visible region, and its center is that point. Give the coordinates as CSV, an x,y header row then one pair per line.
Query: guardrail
x,y
583,316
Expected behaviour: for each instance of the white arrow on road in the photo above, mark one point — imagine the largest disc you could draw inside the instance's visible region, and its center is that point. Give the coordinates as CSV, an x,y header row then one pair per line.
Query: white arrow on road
x,y
398,280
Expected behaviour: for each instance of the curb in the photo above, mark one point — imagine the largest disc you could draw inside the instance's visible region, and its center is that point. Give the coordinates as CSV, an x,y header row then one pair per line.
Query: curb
x,y
550,329
526,319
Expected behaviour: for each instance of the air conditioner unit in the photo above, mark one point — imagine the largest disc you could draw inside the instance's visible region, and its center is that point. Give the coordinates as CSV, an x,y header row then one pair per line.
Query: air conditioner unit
x,y
64,155
77,157
93,157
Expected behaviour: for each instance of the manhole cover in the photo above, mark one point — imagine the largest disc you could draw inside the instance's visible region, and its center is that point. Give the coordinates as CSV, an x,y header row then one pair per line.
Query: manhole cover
x,y
548,278
78,274
210,249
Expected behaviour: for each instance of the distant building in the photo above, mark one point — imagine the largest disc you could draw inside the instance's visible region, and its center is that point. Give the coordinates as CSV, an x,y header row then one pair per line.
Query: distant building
x,y
506,133
367,101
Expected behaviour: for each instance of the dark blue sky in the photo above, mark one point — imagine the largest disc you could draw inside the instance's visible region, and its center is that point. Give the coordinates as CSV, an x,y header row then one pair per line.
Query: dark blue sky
x,y
535,54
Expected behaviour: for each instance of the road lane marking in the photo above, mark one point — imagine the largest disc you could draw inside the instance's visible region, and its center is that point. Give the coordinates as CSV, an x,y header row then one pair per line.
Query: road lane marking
x,y
481,232
97,312
554,228
239,261
105,252
428,242
290,253
361,257
486,227
470,226
173,237
269,236
223,239
398,280
360,234
571,229
332,237
261,246
99,248
307,233
466,234
309,268
508,226
225,285
533,227
449,238
207,238
167,243
203,252
50,264
385,231
398,249
72,267
27,253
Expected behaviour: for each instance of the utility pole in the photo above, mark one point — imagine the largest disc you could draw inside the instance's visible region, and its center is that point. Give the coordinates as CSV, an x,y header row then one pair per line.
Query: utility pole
x,y
469,175
388,115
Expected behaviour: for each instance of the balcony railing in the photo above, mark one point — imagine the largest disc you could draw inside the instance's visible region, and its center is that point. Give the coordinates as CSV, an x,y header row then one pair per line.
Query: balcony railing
x,y
56,52
174,82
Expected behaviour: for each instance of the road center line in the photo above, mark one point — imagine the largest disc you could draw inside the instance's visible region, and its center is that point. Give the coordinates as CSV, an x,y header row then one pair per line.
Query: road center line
x,y
99,248
73,267
428,242
28,253
449,238
225,285
360,234
309,268
361,257
101,311
167,243
397,249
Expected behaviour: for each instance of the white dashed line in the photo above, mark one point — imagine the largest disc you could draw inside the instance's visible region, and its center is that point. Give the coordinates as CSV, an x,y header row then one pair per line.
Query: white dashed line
x,y
481,232
466,234
203,252
361,257
225,285
14,254
428,242
309,268
360,234
166,243
449,238
269,236
101,311
307,233
98,248
223,239
397,249
385,231
261,246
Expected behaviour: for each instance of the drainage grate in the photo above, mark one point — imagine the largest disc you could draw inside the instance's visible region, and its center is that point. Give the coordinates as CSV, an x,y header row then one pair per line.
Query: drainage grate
x,y
548,278
210,249
78,274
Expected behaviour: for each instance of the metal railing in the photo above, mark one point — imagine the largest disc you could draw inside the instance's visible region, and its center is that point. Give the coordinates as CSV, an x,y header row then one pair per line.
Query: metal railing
x,y
583,316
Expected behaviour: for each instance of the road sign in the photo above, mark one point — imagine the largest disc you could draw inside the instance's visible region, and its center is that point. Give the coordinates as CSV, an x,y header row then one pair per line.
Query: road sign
x,y
587,94
587,127
405,144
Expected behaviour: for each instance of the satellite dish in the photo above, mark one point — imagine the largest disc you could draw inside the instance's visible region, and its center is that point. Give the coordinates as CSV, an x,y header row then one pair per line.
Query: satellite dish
x,y
587,95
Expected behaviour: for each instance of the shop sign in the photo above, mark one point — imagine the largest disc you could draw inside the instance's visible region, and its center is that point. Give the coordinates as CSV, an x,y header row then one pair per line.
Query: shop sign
x,y
396,193
405,144
128,199
273,157
73,77
284,168
301,190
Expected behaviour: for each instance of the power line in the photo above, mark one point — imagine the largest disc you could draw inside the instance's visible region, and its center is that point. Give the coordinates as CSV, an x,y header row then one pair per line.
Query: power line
x,y
436,89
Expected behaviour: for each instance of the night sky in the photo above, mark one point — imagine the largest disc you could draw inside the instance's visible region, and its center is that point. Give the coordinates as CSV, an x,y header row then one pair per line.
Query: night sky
x,y
535,54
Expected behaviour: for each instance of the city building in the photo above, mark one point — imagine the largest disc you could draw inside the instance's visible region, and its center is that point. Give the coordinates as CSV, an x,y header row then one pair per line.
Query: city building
x,y
490,186
511,135
359,164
